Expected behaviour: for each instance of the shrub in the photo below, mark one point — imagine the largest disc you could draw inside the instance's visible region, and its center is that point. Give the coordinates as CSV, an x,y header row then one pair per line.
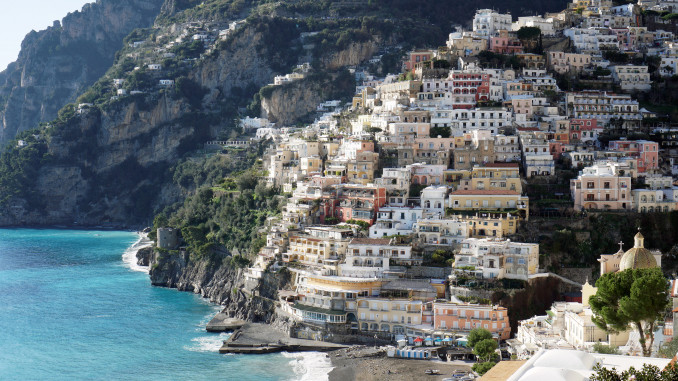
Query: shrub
x,y
482,367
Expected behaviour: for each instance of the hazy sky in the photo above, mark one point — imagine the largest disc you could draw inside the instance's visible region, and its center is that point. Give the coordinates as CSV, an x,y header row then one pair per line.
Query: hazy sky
x,y
18,17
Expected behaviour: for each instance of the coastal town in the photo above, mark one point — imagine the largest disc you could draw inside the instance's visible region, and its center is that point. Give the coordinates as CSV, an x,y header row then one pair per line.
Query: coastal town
x,y
403,208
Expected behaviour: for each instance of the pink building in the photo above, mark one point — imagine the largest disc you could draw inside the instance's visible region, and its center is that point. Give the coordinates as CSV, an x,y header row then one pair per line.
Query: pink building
x,y
584,130
415,57
366,146
557,148
427,174
646,151
600,187
465,317
326,181
505,44
352,202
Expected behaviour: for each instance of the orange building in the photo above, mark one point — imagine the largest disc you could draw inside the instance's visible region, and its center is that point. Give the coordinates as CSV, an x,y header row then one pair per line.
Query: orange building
x,y
465,317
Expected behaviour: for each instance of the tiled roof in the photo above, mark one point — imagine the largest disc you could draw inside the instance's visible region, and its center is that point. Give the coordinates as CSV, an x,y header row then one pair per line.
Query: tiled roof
x,y
502,165
485,192
370,241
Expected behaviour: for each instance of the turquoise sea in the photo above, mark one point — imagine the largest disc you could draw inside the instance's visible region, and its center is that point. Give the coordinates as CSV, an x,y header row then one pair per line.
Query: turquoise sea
x,y
72,309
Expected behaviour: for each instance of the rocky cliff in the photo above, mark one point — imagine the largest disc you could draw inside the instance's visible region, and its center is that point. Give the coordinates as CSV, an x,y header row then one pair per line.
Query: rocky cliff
x,y
57,64
295,101
219,280
110,164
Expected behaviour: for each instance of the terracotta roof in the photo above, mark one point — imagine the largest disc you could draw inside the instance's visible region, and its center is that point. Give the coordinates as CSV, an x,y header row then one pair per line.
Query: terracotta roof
x,y
485,192
502,165
370,241
503,370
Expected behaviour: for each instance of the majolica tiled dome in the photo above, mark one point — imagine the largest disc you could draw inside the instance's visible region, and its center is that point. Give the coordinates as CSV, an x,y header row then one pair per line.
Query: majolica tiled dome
x,y
638,257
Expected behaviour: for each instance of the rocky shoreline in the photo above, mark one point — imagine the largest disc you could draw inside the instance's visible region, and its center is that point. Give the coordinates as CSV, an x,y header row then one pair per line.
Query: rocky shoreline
x,y
219,281
253,302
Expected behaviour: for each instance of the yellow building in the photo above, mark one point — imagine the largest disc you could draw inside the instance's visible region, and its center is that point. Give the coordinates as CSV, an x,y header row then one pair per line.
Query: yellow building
x,y
361,170
388,315
489,200
329,148
311,164
495,176
320,248
490,224
454,177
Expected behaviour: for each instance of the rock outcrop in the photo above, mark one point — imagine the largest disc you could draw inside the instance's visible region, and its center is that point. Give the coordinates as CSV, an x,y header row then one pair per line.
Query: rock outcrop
x,y
220,282
58,64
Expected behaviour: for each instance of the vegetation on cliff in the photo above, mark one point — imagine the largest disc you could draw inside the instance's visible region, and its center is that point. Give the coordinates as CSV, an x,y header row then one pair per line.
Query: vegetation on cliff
x,y
225,206
57,64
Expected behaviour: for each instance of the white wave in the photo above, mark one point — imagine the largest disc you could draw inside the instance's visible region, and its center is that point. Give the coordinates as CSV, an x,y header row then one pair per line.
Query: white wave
x,y
208,343
310,366
129,257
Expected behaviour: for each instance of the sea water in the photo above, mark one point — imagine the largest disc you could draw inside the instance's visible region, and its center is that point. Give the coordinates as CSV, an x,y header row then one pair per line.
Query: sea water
x,y
71,308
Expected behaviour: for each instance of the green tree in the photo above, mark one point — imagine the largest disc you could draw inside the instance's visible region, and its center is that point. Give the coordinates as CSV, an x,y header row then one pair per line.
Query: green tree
x,y
668,349
637,297
605,349
482,367
477,335
648,373
528,33
484,349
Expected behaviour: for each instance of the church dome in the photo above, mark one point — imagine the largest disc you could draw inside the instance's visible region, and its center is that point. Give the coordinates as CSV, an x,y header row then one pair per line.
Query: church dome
x,y
638,257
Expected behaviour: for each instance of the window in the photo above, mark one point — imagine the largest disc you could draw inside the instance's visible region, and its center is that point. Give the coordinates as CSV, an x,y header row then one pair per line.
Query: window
x,y
589,185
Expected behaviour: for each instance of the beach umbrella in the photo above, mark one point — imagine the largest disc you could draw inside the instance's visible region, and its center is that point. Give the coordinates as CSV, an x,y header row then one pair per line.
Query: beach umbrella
x,y
418,340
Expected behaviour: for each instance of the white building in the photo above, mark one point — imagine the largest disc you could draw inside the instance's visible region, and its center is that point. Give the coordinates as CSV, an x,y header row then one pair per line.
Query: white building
x,y
392,220
591,39
486,23
506,148
248,123
440,231
491,258
669,56
544,24
371,257
632,77
433,200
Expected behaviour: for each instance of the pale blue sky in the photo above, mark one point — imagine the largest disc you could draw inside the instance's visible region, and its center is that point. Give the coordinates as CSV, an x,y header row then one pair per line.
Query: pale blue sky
x,y
19,17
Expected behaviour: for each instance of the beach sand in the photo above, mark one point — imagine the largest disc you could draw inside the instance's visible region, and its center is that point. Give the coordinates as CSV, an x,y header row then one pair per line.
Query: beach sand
x,y
367,364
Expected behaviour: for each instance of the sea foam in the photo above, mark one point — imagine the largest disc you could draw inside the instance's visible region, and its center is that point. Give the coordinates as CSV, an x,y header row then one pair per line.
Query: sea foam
x,y
310,366
208,343
129,257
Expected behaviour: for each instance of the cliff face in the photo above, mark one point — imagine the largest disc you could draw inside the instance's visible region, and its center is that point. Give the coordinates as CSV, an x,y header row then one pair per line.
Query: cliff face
x,y
57,64
292,102
355,54
110,165
247,299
